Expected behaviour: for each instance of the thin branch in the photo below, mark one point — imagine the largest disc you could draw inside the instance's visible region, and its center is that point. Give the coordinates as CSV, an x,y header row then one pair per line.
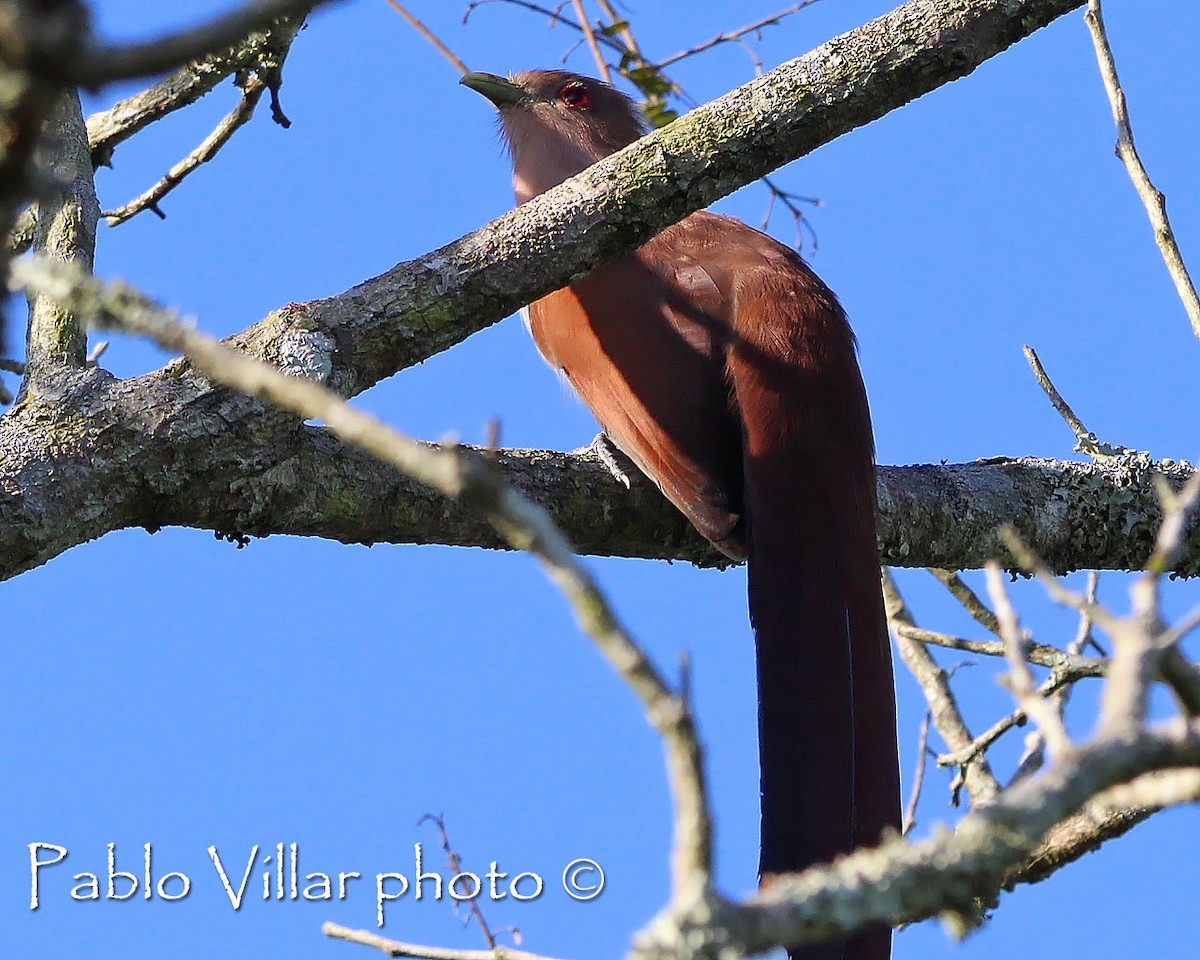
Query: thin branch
x,y
910,811
1020,678
397,948
1056,691
968,598
253,86
456,865
109,128
429,35
626,34
1152,198
980,782
590,35
981,744
1042,654
553,15
733,35
1085,441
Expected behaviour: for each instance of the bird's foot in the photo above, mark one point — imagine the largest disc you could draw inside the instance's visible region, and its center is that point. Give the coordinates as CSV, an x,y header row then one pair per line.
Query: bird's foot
x,y
607,453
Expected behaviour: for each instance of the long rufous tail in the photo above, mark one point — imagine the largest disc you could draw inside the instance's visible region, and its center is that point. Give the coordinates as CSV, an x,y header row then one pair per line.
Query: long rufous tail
x,y
827,730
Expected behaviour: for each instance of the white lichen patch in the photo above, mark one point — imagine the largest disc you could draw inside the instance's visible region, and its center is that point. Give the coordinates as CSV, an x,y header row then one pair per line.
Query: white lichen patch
x,y
308,354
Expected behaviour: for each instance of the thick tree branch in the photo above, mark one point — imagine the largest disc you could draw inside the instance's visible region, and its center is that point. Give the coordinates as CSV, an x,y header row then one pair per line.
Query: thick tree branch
x,y
424,306
105,63
32,33
206,440
455,473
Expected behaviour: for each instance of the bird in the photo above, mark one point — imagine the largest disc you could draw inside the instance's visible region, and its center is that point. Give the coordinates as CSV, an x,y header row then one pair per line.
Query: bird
x,y
726,370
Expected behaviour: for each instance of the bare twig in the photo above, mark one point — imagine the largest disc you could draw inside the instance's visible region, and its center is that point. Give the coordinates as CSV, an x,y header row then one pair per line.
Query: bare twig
x,y
456,865
429,35
981,744
1020,678
791,201
1152,199
1042,654
397,948
1085,441
456,473
253,87
968,598
553,15
109,128
626,34
1057,689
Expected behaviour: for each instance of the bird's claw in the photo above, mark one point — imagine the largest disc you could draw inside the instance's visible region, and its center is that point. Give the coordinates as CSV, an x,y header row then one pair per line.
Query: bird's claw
x,y
608,456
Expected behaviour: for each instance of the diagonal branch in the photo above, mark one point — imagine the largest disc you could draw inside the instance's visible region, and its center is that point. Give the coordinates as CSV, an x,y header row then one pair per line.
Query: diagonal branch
x,y
424,306
978,778
253,87
1089,515
1152,198
454,472
107,129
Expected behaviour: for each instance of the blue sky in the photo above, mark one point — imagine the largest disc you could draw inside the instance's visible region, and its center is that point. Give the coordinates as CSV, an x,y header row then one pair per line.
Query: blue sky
x,y
173,690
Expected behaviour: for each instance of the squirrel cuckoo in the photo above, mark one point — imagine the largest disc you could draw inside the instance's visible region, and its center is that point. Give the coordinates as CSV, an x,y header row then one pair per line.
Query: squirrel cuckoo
x,y
725,369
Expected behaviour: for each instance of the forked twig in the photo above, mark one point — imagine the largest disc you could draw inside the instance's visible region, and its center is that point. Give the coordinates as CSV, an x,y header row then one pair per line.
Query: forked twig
x,y
253,87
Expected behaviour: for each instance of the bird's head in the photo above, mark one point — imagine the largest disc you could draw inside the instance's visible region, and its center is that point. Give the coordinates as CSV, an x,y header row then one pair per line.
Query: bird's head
x,y
556,123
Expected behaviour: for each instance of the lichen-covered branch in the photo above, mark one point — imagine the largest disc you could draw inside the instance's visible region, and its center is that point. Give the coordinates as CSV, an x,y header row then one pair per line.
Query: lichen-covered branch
x,y
238,462
456,473
65,230
34,34
424,306
171,449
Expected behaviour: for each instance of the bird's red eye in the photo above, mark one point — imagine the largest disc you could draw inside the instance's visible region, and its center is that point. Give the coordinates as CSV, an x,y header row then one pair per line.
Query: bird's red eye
x,y
575,96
